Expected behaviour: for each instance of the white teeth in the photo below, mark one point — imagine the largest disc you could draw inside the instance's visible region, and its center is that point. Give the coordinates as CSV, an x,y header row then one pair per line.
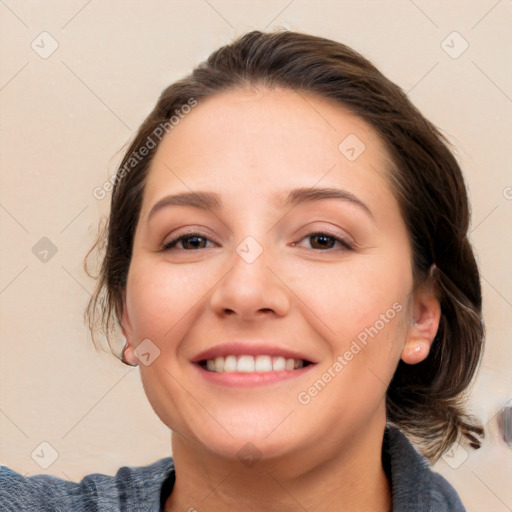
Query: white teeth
x,y
263,364
245,364
230,364
278,364
290,364
219,364
250,364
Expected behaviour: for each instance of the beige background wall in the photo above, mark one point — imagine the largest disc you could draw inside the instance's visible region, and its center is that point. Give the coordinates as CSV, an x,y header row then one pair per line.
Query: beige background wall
x,y
65,116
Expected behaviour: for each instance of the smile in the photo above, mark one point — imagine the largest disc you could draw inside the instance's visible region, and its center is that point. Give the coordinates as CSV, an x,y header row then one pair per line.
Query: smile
x,y
252,364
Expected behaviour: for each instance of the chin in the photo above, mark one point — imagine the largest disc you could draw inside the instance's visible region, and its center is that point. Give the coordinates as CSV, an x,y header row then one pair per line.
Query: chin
x,y
248,448
247,434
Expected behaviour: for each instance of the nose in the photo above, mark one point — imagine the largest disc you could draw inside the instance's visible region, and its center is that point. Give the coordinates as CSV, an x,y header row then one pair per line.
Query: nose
x,y
251,290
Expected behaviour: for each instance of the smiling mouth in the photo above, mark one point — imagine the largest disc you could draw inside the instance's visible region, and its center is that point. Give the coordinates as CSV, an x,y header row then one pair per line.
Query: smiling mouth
x,y
252,364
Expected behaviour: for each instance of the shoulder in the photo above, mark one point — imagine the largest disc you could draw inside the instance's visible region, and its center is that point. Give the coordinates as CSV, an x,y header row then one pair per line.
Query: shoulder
x,y
413,483
442,492
128,489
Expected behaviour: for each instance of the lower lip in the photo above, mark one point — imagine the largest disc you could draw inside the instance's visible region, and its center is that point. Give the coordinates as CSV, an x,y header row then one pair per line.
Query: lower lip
x,y
250,379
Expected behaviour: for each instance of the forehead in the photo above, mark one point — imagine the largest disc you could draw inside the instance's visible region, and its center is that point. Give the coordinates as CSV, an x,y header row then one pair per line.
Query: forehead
x,y
263,141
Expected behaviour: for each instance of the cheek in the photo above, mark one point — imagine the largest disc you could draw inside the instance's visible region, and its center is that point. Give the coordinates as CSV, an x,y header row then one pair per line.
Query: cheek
x,y
162,296
163,301
365,349
344,299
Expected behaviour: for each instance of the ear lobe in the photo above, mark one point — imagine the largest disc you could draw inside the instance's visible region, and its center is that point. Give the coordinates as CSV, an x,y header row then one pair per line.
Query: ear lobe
x,y
128,355
426,315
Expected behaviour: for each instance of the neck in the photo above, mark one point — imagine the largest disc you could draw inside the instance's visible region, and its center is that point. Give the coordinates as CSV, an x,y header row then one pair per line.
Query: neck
x,y
352,479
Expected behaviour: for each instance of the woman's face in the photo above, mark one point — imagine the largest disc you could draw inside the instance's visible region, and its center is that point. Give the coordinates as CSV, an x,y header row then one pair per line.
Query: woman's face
x,y
271,270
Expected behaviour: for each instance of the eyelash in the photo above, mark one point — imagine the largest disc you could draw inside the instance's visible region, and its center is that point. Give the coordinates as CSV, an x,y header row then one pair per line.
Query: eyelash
x,y
346,245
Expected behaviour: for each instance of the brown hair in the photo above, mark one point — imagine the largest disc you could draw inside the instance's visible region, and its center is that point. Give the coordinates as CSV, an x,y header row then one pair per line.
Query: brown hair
x,y
425,400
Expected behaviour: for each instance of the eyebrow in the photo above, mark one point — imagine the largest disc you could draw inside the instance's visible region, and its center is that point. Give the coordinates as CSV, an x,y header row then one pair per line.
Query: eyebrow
x,y
211,200
304,194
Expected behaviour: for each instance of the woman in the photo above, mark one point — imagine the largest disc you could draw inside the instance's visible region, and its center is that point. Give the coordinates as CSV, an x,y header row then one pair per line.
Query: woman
x,y
287,258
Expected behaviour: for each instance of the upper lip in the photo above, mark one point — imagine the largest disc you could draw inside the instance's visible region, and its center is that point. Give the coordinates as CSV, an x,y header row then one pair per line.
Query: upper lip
x,y
238,348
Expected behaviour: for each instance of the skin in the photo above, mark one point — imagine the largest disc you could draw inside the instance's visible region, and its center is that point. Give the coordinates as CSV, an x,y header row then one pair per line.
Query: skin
x,y
252,147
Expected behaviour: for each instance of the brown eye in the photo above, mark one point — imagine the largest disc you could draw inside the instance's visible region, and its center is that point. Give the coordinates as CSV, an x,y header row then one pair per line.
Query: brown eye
x,y
326,241
188,242
322,241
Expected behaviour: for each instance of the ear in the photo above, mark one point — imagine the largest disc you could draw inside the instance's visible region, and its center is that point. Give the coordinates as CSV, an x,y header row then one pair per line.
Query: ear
x,y
127,330
426,315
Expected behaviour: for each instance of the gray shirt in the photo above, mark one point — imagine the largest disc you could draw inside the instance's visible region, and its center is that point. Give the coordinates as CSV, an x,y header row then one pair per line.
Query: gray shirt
x,y
415,488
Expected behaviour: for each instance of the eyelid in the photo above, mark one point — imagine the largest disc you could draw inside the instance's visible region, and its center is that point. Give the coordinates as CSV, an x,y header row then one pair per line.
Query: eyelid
x,y
190,232
344,239
347,243
335,232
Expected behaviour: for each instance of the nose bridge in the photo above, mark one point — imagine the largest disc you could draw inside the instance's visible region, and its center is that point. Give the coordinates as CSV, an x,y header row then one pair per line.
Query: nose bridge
x,y
250,287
